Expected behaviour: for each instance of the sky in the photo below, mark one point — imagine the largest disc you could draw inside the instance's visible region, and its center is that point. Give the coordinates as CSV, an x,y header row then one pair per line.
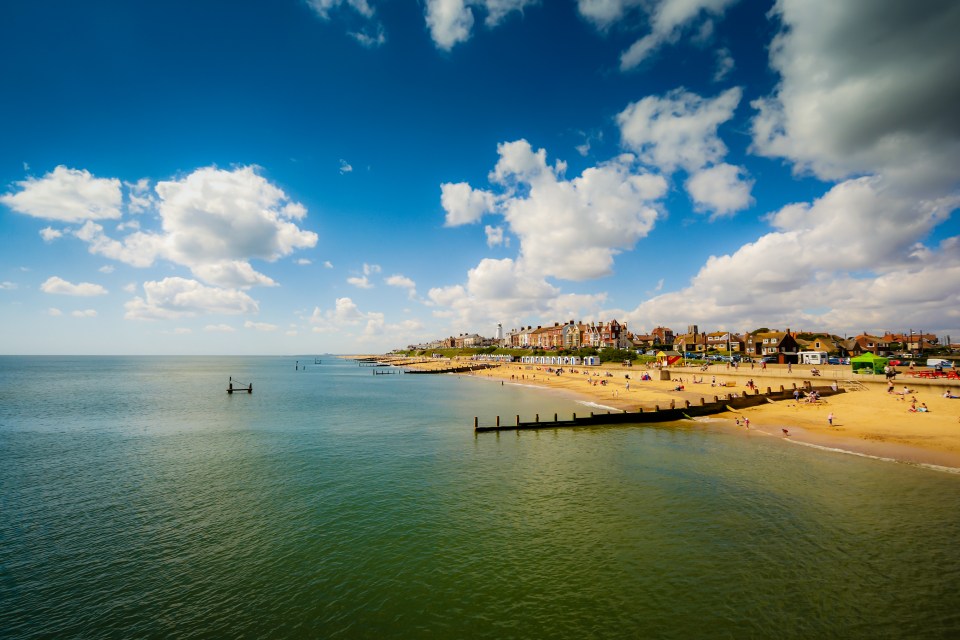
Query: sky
x,y
353,176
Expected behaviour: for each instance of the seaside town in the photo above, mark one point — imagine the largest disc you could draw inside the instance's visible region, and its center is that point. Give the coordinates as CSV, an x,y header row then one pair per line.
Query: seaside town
x,y
771,345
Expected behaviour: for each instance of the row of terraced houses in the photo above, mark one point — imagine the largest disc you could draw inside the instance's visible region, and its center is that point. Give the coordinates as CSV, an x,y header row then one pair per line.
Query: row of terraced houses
x,y
613,334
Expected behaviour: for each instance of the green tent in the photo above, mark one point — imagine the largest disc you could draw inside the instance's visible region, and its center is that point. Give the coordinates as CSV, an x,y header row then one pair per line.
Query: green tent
x,y
868,363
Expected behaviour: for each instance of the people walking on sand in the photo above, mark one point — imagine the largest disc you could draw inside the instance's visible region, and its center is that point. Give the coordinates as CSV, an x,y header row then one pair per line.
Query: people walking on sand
x,y
830,418
746,422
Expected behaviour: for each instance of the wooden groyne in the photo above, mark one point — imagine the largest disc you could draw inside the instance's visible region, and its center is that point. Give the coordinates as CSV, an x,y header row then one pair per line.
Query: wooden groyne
x,y
658,414
455,369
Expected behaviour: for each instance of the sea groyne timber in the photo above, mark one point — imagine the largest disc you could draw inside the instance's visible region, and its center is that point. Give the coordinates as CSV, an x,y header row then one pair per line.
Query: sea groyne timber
x,y
731,402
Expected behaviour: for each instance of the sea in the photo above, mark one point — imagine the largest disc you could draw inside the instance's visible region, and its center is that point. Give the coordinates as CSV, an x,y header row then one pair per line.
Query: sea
x,y
139,500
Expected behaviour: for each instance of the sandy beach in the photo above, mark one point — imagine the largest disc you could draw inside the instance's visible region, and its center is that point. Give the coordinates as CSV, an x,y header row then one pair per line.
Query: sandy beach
x,y
867,420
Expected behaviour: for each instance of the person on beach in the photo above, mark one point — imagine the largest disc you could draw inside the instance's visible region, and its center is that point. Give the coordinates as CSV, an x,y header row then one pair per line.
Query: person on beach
x,y
746,422
889,386
830,419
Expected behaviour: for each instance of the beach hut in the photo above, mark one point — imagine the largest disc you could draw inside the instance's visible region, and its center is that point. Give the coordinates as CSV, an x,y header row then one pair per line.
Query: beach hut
x,y
868,363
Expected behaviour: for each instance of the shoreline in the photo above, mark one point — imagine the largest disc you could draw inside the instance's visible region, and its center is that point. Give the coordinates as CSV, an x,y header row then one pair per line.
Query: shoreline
x,y
869,422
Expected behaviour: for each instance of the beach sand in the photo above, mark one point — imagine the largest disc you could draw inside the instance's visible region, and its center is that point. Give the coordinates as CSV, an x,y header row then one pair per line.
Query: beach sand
x,y
867,421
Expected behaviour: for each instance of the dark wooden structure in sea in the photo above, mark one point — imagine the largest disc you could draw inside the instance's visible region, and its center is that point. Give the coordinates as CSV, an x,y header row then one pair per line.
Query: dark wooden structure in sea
x,y
239,387
454,369
669,414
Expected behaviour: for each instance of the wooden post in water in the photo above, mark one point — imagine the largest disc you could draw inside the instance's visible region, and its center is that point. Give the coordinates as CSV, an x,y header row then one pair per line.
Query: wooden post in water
x,y
537,417
475,422
498,421
554,417
518,421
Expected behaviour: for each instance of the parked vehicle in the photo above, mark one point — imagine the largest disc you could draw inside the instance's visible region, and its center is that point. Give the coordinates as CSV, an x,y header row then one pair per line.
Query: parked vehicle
x,y
813,357
771,359
938,362
836,360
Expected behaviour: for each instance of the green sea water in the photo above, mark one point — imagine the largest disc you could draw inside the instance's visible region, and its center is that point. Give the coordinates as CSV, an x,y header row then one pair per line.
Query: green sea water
x,y
138,499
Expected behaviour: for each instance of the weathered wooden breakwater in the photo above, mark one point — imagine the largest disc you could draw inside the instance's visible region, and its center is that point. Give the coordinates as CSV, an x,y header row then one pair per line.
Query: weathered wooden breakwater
x,y
456,369
668,414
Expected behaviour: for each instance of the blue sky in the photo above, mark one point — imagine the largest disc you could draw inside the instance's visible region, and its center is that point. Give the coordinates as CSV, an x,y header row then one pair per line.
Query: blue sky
x,y
357,175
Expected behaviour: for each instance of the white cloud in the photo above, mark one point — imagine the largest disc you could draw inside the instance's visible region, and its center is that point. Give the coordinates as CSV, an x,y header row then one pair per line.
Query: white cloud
x,y
327,264
865,87
369,269
56,285
403,282
361,282
725,64
345,167
819,257
260,326
232,273
572,229
85,313
463,204
720,189
67,195
50,234
130,287
451,21
668,20
107,268
345,315
605,13
678,130
219,328
179,297
139,196
323,8
494,236
214,217
54,312
7,285
303,262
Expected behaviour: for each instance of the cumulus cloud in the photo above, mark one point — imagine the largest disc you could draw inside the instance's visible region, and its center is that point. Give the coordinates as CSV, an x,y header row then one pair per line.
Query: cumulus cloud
x,y
84,313
179,297
345,167
572,229
260,326
59,286
50,234
219,328
568,228
67,195
720,189
345,315
865,87
213,221
820,258
327,264
678,130
668,20
451,21
494,236
463,204
502,291
361,282
403,282
214,217
54,312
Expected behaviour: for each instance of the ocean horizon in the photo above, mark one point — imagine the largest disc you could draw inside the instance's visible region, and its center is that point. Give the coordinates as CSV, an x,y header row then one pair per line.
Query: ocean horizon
x,y
139,499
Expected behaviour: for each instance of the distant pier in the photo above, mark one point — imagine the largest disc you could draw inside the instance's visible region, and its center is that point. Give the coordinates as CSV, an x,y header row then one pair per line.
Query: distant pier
x,y
658,414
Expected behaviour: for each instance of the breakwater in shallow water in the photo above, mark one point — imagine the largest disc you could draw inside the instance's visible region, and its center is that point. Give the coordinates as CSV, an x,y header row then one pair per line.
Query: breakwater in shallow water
x,y
673,413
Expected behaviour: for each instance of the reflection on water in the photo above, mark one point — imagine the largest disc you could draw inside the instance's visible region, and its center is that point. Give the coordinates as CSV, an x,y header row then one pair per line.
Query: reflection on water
x,y
139,499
